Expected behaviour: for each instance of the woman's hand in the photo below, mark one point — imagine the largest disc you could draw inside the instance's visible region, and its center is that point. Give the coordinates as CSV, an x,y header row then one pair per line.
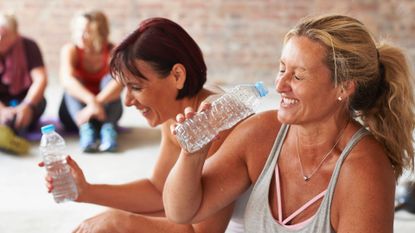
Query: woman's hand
x,y
188,114
24,114
92,110
81,183
7,114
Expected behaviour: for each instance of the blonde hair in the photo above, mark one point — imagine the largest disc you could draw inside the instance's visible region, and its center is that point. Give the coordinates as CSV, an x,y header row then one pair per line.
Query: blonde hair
x,y
9,20
99,27
384,94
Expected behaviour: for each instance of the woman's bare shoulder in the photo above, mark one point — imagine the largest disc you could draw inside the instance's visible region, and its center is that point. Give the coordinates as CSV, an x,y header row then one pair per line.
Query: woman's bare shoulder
x,y
257,123
68,52
368,157
259,130
68,47
365,188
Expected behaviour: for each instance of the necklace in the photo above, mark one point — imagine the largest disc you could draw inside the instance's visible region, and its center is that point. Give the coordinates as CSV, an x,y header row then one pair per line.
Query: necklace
x,y
308,177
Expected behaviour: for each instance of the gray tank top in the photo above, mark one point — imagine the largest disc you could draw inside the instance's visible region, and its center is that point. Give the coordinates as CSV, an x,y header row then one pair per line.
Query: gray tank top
x,y
258,215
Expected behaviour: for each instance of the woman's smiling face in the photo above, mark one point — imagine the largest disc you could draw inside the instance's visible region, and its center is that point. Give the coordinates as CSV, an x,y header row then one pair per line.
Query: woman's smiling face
x,y
155,97
304,82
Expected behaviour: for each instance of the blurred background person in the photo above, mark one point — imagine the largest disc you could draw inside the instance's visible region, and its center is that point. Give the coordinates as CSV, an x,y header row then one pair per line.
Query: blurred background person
x,y
91,101
23,80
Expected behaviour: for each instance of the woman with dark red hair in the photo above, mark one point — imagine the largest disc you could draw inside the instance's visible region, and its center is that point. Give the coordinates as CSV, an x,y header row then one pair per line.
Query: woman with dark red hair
x,y
163,70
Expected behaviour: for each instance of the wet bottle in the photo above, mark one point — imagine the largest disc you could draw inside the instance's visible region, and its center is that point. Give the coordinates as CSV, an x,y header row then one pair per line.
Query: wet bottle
x,y
225,112
52,149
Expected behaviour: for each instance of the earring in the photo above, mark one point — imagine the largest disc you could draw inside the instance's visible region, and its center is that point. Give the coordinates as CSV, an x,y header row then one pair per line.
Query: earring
x,y
340,98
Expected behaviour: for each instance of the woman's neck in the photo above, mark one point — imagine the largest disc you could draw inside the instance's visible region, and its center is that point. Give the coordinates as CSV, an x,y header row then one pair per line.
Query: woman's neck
x,y
196,100
319,135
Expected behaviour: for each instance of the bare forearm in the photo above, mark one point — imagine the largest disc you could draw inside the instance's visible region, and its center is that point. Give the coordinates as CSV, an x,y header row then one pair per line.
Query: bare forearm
x,y
182,194
74,88
138,197
143,223
110,93
37,89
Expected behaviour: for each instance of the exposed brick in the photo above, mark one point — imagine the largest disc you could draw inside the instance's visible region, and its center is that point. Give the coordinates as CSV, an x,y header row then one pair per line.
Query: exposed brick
x,y
241,39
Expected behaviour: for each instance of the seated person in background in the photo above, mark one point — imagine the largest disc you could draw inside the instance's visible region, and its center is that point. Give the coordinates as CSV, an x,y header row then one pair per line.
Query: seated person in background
x,y
23,80
327,160
91,102
164,71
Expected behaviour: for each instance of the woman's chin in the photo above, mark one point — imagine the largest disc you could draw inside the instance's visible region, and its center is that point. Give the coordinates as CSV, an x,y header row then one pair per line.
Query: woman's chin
x,y
284,119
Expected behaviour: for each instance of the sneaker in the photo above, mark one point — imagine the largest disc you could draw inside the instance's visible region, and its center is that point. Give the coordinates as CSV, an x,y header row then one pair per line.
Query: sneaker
x,y
108,138
88,138
10,142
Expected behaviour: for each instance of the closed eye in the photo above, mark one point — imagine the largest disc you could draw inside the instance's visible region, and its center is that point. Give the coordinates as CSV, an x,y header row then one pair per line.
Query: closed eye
x,y
135,88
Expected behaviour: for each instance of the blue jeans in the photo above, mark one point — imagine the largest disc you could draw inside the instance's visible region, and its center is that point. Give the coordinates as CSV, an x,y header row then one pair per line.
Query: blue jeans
x,y
70,106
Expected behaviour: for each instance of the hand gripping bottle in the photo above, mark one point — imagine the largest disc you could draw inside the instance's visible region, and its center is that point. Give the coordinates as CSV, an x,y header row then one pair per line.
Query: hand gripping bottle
x,y
52,149
226,111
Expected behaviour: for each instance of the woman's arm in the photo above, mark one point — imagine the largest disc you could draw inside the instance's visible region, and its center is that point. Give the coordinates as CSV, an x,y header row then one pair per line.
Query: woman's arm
x,y
24,111
194,190
113,89
110,92
141,196
183,191
37,89
121,221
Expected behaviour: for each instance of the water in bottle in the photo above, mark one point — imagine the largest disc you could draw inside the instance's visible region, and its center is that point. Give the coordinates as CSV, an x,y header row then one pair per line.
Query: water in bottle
x,y
52,149
226,111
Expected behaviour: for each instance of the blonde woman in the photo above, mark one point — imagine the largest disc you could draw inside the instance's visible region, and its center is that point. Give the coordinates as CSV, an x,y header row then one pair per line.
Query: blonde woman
x,y
91,100
327,160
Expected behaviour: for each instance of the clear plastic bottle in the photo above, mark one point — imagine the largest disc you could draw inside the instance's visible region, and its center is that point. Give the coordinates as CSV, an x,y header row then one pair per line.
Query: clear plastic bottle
x,y
52,148
226,111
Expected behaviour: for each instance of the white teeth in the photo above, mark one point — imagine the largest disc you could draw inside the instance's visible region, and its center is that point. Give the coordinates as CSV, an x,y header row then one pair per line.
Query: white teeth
x,y
289,101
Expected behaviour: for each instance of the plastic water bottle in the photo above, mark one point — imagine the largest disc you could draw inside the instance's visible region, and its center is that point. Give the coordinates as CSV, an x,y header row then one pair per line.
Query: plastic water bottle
x,y
52,149
226,111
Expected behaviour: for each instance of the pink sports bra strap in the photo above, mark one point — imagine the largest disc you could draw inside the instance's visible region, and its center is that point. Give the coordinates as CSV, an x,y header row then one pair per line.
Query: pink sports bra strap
x,y
301,209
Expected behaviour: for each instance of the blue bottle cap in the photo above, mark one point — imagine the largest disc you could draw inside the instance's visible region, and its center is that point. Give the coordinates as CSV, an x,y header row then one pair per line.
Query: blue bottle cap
x,y
47,128
13,103
263,91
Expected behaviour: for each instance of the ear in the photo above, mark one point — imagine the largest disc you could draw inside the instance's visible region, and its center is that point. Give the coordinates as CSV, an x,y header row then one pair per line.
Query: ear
x,y
179,74
348,88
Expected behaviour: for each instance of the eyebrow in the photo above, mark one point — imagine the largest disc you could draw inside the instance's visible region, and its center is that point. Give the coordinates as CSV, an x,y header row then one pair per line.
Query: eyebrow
x,y
300,68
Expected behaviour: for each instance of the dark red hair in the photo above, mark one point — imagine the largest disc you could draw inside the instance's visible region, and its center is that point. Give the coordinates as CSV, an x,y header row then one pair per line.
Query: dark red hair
x,y
162,43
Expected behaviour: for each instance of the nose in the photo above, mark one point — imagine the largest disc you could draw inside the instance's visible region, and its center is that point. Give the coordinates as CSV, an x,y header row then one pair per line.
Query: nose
x,y
282,83
128,99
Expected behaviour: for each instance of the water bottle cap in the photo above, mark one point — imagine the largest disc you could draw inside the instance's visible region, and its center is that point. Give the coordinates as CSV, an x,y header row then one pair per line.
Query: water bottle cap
x,y
47,128
263,91
13,103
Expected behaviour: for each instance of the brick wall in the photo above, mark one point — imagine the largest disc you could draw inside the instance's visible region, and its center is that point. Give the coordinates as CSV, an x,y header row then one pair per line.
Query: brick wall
x,y
241,39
